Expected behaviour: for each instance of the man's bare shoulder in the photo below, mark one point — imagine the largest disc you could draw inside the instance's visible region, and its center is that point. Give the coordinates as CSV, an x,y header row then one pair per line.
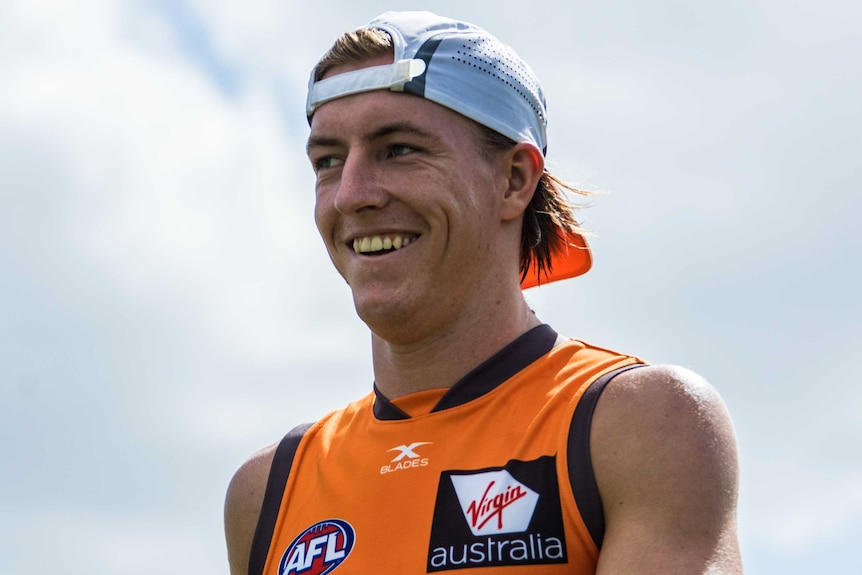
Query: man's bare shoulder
x,y
242,506
664,455
664,390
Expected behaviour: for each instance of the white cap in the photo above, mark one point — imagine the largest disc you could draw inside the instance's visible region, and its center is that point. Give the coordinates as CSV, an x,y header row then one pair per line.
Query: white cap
x,y
455,64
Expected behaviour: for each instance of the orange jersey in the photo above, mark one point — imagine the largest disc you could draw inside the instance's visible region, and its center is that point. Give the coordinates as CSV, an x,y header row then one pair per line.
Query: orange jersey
x,y
496,476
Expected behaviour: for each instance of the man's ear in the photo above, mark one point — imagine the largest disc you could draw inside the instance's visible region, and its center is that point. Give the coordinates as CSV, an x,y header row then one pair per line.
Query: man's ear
x,y
524,165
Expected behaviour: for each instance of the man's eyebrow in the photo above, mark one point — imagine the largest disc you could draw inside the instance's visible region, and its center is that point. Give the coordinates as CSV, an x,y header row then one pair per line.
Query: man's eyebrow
x,y
381,132
320,141
398,127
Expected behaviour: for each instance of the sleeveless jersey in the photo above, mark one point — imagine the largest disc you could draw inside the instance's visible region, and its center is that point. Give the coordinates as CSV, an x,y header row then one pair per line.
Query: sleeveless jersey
x,y
497,476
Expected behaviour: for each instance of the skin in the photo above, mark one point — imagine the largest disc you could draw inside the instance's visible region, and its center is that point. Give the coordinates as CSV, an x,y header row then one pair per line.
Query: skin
x,y
662,443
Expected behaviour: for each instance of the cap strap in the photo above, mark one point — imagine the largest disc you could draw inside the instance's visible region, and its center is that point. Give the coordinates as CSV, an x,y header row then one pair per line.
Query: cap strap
x,y
391,76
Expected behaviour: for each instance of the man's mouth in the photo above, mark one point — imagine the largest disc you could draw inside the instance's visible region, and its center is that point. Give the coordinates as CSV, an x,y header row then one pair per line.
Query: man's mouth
x,y
382,243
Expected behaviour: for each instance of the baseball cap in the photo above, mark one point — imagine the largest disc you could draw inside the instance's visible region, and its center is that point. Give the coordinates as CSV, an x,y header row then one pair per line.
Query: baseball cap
x,y
464,68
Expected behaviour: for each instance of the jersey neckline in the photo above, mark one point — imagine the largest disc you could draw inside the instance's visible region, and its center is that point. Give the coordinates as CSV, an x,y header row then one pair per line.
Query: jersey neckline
x,y
483,379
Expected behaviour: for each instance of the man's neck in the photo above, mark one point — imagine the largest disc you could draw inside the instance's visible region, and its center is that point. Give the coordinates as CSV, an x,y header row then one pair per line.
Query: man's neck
x,y
441,359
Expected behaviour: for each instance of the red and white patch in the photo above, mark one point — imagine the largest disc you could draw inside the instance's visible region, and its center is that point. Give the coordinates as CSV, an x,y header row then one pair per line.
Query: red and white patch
x,y
495,502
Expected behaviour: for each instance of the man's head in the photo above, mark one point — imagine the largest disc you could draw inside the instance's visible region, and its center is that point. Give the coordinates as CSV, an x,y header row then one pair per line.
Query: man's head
x,y
465,69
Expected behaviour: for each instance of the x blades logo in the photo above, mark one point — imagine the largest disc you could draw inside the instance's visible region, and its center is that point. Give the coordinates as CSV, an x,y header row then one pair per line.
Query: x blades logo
x,y
407,458
319,549
407,450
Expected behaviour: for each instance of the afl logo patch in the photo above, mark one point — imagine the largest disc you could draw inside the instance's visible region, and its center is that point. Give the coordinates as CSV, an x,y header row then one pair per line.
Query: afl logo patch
x,y
319,549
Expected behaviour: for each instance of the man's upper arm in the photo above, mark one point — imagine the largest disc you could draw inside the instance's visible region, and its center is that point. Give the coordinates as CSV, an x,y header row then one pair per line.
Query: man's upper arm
x,y
664,456
242,507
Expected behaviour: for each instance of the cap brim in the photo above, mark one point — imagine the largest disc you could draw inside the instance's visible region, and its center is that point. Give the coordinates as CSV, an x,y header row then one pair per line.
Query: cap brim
x,y
571,261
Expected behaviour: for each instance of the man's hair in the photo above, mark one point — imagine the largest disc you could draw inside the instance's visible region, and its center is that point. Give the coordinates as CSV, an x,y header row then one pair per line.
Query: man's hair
x,y
353,47
549,215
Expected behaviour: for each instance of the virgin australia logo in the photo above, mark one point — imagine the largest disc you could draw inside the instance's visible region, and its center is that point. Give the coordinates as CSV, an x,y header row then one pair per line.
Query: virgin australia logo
x,y
498,516
495,502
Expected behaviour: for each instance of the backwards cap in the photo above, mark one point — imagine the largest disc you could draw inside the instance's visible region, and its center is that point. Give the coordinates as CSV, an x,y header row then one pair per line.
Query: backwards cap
x,y
466,69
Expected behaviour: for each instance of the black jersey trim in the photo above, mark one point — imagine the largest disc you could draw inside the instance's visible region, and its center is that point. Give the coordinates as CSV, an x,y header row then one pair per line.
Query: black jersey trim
x,y
385,410
581,475
282,462
500,367
485,378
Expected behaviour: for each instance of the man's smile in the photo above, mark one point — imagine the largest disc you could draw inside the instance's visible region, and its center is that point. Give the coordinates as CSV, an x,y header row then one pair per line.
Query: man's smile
x,y
381,243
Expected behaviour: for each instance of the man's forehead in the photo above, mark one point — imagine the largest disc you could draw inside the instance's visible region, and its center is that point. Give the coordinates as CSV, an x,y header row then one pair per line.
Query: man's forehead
x,y
381,112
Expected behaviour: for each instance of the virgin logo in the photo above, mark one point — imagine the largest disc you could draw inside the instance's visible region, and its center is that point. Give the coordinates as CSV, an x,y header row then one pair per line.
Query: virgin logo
x,y
487,507
495,502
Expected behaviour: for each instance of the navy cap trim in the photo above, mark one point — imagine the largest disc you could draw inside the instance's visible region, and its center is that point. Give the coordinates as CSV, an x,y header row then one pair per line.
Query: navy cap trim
x,y
416,86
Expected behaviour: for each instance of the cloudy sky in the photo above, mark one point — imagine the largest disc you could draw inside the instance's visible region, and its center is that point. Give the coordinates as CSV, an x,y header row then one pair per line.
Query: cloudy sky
x,y
166,306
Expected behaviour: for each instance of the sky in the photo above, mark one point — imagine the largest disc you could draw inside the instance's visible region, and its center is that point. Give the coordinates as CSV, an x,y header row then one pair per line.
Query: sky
x,y
167,307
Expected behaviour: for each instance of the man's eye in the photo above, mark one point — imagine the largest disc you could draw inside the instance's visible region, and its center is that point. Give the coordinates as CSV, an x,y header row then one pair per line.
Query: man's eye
x,y
400,149
327,162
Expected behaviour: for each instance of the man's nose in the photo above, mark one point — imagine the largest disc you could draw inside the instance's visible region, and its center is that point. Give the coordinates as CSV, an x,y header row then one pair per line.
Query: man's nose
x,y
360,187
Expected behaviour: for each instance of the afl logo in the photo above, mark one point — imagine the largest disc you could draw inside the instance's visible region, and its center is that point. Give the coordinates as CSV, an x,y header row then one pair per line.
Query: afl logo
x,y
319,549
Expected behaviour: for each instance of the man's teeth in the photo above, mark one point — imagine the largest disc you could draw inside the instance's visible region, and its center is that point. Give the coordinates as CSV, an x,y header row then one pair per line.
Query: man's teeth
x,y
370,244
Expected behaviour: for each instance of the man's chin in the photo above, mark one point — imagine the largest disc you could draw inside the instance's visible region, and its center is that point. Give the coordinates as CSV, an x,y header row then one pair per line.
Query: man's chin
x,y
384,312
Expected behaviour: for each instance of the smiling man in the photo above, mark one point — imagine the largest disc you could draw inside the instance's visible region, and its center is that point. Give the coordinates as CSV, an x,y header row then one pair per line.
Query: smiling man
x,y
489,443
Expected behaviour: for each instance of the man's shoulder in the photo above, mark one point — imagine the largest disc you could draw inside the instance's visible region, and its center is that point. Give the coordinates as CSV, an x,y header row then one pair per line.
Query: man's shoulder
x,y
663,386
242,507
249,480
668,403
664,457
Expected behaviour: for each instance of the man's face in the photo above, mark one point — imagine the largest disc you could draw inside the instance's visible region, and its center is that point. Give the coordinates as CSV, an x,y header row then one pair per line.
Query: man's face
x,y
397,170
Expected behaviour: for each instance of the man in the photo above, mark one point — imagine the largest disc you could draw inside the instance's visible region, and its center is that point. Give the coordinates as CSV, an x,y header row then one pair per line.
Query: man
x,y
489,444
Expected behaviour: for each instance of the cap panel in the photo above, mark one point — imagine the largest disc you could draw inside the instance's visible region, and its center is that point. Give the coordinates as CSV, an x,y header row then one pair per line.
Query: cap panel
x,y
479,79
472,72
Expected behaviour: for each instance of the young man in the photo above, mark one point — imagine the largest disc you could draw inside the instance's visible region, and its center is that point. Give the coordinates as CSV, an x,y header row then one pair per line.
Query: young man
x,y
489,443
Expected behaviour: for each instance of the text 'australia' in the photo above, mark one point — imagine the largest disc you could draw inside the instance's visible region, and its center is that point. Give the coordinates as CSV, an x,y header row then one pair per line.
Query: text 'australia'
x,y
528,550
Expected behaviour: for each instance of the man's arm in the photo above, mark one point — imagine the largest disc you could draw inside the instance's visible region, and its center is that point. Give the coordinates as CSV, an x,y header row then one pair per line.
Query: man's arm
x,y
242,507
665,461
